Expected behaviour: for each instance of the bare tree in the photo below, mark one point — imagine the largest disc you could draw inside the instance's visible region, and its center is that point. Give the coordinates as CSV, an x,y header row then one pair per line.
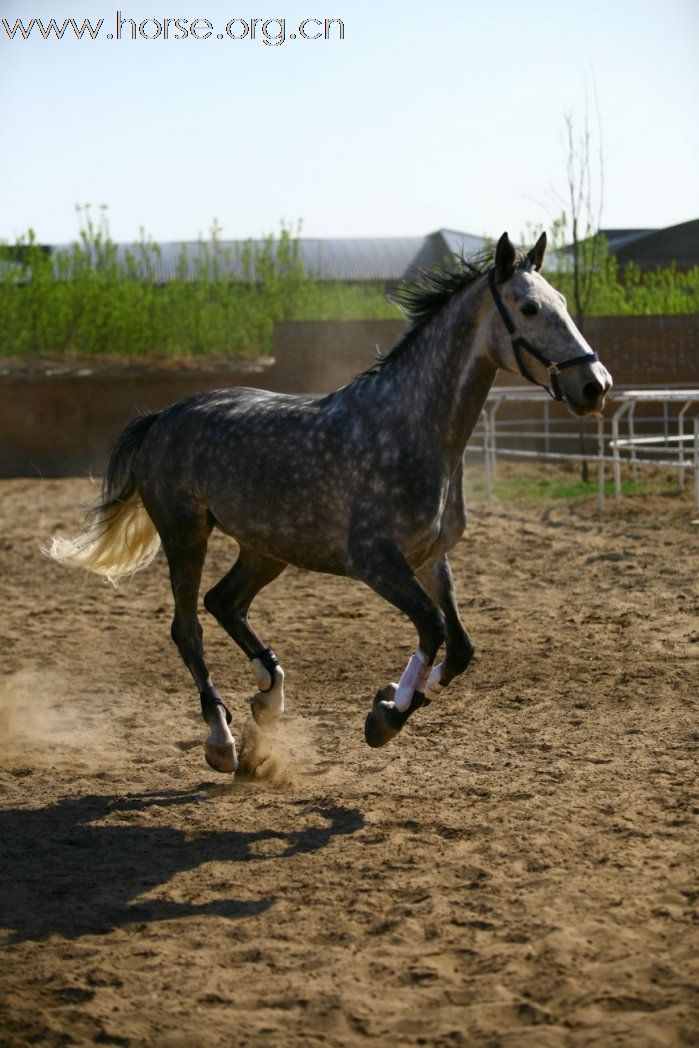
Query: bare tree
x,y
582,218
585,198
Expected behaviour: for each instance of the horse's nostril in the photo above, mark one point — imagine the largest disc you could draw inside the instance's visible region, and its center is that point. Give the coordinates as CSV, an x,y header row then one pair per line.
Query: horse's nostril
x,y
592,391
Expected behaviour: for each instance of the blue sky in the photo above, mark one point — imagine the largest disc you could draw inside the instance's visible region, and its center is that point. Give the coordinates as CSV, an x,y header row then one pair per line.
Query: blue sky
x,y
425,115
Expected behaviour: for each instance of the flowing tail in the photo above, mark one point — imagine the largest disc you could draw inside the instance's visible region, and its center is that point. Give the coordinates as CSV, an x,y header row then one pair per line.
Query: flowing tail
x,y
119,536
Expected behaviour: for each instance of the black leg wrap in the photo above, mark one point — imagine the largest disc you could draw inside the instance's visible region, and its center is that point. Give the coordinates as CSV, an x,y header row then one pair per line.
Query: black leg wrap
x,y
209,703
384,720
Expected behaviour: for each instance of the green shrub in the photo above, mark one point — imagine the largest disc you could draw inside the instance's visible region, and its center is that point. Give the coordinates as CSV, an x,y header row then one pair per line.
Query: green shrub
x,y
92,299
610,289
89,299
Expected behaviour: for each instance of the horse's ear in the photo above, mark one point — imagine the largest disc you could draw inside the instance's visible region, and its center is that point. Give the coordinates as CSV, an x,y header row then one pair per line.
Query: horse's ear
x,y
536,255
505,256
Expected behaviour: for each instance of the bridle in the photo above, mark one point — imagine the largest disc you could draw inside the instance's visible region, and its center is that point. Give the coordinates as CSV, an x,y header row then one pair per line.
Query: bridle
x,y
519,343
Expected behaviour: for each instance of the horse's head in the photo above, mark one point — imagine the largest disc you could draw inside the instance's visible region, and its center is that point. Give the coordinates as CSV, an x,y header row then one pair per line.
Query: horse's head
x,y
531,332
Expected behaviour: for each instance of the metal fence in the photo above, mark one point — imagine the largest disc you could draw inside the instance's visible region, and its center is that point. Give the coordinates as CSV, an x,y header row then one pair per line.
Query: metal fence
x,y
666,436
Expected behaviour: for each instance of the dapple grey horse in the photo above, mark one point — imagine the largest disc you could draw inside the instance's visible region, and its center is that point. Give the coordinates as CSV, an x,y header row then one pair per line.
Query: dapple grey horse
x,y
365,482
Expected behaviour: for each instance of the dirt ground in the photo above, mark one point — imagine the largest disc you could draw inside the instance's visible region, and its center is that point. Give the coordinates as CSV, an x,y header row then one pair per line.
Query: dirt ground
x,y
517,868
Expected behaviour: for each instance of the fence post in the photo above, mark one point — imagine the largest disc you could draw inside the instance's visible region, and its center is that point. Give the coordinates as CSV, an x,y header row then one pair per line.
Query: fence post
x,y
680,434
616,417
486,454
493,438
632,438
600,463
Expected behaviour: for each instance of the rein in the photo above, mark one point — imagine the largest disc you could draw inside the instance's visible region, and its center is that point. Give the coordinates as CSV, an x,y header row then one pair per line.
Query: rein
x,y
519,343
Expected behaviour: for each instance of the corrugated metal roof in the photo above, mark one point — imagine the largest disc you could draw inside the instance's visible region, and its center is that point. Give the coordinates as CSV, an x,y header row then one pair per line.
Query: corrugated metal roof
x,y
660,247
390,259
360,258
620,238
385,259
462,244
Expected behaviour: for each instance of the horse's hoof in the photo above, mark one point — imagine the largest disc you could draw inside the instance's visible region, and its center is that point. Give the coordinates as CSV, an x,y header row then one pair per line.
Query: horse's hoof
x,y
265,716
221,758
382,724
384,720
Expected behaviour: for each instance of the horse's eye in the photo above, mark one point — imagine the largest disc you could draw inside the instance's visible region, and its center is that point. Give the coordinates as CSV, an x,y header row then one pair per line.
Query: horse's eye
x,y
530,309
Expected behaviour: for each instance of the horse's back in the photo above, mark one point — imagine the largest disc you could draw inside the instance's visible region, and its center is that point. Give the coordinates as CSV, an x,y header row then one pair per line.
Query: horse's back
x,y
267,466
228,403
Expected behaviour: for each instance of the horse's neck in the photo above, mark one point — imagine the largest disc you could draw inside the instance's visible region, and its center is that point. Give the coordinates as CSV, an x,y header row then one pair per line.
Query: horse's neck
x,y
443,377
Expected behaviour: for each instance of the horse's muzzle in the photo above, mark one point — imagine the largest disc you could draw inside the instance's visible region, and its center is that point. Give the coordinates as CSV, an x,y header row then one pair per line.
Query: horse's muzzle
x,y
585,388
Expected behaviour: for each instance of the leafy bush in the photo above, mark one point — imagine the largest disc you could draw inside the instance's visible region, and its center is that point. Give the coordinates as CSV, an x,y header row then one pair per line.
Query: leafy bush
x,y
93,298
612,289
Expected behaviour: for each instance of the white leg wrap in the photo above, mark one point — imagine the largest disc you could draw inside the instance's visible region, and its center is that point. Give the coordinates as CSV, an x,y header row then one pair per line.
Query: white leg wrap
x,y
414,679
262,675
219,732
273,697
433,687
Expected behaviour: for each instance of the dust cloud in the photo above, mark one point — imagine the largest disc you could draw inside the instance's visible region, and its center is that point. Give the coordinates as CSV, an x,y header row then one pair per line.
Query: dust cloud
x,y
40,724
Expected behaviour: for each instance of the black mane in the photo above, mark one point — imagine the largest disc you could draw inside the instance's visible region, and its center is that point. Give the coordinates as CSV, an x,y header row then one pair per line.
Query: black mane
x,y
421,299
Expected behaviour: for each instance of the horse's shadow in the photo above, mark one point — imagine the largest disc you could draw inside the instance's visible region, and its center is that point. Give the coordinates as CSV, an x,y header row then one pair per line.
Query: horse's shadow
x,y
64,874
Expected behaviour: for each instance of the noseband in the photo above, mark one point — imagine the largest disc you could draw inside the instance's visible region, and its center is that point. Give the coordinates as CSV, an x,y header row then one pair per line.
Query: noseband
x,y
519,343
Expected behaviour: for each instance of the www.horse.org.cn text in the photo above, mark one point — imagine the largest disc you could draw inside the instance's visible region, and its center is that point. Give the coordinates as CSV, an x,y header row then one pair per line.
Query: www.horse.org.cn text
x,y
272,32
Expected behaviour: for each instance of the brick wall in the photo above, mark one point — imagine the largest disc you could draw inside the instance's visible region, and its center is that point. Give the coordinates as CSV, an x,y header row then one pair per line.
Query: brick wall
x,y
651,351
637,350
63,420
318,356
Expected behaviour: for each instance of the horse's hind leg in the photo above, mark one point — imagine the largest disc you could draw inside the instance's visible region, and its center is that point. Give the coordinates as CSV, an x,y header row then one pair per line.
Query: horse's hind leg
x,y
185,548
439,583
229,602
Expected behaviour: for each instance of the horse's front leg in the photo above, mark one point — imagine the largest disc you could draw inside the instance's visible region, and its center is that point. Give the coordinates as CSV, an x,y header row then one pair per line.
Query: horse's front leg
x,y
439,583
380,564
